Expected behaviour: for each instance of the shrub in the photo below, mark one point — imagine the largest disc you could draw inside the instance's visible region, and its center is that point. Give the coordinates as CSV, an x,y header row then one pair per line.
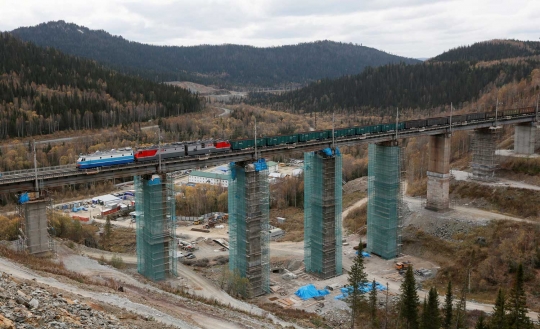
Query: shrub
x,y
117,262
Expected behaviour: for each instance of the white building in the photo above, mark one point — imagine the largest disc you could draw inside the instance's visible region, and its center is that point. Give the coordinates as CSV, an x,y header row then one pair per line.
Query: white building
x,y
202,177
272,166
106,200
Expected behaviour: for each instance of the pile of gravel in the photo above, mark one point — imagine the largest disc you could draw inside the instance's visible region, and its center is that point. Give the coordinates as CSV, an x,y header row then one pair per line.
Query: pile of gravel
x,y
26,306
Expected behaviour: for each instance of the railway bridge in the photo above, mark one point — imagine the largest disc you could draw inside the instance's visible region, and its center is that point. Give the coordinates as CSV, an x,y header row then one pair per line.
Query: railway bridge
x,y
248,193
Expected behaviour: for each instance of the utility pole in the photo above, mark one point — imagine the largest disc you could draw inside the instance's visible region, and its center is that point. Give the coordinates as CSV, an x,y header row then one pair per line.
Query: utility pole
x,y
333,131
256,157
397,123
159,148
537,99
451,111
35,169
496,111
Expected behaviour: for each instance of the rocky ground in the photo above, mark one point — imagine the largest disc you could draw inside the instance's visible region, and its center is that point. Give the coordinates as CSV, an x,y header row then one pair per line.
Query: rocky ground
x,y
25,305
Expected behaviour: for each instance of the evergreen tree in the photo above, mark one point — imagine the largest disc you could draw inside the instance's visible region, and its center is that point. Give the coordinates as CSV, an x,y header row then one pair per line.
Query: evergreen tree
x,y
425,316
461,311
517,304
431,317
373,304
448,306
498,319
409,301
357,278
480,324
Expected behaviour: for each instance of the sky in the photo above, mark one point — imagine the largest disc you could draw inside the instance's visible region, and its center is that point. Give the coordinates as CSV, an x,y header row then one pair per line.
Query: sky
x,y
411,28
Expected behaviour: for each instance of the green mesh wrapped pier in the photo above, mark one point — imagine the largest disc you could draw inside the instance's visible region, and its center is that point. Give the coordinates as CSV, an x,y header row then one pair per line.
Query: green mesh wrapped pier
x,y
384,203
155,208
322,213
249,235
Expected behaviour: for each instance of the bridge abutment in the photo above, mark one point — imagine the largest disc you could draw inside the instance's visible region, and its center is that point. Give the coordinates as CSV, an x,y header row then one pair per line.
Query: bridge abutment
x,y
36,238
249,238
438,174
525,138
322,213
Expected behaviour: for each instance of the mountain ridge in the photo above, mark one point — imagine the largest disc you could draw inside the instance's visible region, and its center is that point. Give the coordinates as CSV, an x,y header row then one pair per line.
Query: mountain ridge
x,y
223,65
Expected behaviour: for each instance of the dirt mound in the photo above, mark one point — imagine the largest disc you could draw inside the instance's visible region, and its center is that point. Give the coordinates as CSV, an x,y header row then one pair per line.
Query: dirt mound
x,y
359,184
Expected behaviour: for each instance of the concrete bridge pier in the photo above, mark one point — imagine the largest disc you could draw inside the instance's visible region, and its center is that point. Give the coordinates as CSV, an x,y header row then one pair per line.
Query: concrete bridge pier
x,y
438,173
384,216
34,214
249,240
322,213
483,145
525,138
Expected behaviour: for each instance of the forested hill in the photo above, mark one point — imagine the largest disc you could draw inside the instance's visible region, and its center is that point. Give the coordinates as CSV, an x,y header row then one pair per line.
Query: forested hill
x,y
223,65
491,50
43,91
421,86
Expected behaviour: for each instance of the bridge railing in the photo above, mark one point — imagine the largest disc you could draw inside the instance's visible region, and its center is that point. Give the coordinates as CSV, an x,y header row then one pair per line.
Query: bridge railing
x,y
25,172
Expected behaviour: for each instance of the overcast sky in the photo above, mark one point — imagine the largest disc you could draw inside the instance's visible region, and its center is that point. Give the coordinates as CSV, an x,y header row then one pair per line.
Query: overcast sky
x,y
412,28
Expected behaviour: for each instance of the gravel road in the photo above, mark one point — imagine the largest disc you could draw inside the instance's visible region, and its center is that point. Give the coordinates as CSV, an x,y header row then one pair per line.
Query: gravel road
x,y
20,272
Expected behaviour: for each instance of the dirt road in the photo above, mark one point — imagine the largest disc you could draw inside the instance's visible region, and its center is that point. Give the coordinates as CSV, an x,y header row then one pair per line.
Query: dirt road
x,y
357,204
20,272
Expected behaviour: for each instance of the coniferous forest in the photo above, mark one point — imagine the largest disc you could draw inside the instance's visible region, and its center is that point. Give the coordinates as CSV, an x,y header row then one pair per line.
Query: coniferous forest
x,y
43,91
224,65
420,86
490,51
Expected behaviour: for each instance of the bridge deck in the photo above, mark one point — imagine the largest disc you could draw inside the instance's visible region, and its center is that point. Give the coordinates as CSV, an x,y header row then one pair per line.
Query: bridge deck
x,y
22,180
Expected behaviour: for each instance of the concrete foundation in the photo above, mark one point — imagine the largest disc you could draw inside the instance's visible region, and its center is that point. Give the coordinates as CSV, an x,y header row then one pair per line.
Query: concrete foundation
x,y
35,224
524,138
438,174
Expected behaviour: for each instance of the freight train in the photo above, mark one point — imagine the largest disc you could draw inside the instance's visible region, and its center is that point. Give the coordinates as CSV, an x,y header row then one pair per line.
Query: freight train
x,y
185,149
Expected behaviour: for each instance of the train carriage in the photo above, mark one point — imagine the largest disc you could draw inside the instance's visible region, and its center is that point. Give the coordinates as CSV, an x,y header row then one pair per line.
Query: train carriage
x,y
280,140
313,135
105,159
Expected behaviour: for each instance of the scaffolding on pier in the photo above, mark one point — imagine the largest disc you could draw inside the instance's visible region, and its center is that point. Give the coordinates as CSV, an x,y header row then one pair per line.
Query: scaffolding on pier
x,y
384,200
249,227
322,213
156,226
484,160
34,228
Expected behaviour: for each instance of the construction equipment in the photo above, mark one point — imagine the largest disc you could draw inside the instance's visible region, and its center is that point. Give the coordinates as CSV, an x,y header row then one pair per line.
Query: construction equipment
x,y
401,266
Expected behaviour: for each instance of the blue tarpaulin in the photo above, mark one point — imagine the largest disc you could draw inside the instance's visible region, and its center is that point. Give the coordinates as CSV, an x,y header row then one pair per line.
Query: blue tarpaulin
x,y
363,288
309,291
260,165
364,254
327,151
24,198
